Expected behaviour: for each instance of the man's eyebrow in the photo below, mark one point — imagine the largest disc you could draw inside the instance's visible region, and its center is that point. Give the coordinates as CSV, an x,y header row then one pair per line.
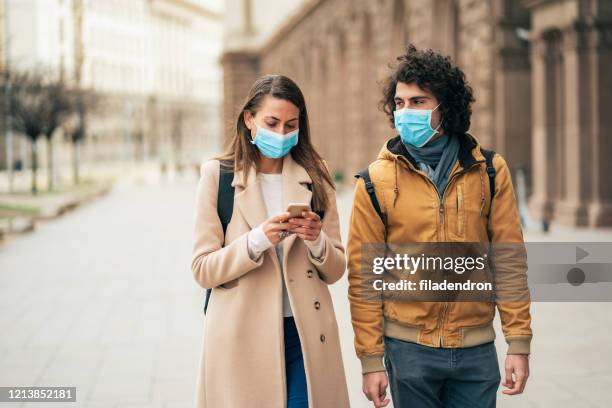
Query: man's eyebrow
x,y
413,97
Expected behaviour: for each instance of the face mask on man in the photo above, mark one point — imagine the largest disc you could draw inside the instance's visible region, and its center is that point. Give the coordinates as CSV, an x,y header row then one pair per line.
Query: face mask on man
x,y
414,125
274,145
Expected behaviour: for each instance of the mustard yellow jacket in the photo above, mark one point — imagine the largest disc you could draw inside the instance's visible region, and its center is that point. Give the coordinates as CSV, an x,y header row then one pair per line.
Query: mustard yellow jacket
x,y
416,214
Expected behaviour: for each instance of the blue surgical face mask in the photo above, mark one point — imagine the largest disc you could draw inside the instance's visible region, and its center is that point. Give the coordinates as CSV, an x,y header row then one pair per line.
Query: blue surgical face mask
x,y
274,145
414,125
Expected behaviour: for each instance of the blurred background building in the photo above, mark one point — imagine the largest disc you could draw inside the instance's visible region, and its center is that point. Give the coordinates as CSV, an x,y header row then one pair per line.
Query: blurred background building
x,y
539,69
154,62
174,73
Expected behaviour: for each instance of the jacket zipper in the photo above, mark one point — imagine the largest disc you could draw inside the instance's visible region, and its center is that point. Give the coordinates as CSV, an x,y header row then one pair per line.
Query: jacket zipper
x,y
441,224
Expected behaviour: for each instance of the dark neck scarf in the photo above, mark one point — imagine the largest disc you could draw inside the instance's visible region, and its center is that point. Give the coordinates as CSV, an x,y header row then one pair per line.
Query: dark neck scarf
x,y
437,159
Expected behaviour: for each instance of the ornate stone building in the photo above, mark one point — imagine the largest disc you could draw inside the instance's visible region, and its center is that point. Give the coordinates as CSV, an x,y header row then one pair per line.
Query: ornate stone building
x,y
571,130
538,69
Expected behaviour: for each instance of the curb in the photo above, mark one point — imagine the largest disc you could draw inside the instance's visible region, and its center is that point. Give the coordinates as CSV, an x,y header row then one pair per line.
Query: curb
x,y
20,224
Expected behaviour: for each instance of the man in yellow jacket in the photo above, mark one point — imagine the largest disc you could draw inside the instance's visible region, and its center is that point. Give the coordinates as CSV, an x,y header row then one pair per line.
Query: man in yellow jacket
x,y
433,183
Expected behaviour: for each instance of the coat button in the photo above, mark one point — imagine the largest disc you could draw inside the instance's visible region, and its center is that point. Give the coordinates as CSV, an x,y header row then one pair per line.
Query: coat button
x,y
309,272
322,338
317,305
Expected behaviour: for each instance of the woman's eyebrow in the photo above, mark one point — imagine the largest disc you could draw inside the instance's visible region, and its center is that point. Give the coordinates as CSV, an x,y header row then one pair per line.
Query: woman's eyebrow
x,y
275,118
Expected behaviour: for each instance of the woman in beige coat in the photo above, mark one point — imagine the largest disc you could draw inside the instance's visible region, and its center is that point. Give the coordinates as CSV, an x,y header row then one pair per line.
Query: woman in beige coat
x,y
270,337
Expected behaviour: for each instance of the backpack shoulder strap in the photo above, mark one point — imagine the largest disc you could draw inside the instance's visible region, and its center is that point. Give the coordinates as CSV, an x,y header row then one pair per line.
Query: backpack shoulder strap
x,y
225,196
488,154
225,206
369,186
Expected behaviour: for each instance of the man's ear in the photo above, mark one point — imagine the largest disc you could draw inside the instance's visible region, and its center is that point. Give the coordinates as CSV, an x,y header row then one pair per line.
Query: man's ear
x,y
440,125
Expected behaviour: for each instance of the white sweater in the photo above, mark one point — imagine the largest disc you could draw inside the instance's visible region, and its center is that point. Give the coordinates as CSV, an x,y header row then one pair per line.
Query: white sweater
x,y
258,242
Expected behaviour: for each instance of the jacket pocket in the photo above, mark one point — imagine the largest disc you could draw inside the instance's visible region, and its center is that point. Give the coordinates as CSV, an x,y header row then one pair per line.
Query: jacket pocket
x,y
460,210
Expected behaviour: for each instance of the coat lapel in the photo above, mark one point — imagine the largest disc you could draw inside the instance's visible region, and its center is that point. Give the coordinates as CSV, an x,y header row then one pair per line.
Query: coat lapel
x,y
249,199
294,191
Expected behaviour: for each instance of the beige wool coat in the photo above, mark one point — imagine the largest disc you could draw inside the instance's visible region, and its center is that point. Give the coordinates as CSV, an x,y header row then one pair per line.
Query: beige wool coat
x,y
242,360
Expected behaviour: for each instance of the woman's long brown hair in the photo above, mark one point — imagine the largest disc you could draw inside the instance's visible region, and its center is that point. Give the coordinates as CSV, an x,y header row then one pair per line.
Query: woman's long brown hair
x,y
242,154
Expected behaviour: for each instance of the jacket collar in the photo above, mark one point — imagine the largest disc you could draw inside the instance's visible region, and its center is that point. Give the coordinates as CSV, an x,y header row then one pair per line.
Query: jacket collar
x,y
467,156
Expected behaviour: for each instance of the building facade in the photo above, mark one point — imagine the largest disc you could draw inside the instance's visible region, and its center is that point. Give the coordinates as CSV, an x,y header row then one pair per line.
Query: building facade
x,y
155,62
514,57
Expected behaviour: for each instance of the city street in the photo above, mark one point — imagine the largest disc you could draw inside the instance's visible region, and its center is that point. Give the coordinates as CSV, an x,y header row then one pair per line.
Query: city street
x,y
103,299
109,108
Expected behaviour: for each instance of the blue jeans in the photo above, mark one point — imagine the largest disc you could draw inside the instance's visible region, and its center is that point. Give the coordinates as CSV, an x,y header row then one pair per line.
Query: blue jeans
x,y
297,394
431,377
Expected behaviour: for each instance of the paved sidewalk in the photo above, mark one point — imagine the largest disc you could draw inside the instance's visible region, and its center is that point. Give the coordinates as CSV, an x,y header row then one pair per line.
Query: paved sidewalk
x,y
103,299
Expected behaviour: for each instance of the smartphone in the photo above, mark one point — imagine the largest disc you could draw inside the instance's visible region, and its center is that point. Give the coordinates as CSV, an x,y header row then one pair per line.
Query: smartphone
x,y
295,209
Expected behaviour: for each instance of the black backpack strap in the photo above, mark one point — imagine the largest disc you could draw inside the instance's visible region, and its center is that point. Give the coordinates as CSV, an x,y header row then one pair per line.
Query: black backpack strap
x,y
225,205
225,196
488,154
320,213
369,186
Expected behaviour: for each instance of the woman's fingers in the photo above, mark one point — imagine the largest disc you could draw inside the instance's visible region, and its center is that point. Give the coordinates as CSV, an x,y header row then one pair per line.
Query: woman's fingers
x,y
305,222
306,227
279,226
274,225
282,217
300,221
302,230
309,234
311,215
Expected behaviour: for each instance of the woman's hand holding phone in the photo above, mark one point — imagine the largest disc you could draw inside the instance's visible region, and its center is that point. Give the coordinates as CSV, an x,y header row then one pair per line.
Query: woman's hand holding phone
x,y
307,227
274,227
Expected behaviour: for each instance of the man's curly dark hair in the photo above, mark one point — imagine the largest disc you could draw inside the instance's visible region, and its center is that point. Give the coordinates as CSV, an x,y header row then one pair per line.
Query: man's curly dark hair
x,y
437,74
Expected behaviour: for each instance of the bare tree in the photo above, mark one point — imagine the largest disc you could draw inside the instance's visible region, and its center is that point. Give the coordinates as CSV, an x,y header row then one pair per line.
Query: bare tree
x,y
60,102
38,104
27,107
85,102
